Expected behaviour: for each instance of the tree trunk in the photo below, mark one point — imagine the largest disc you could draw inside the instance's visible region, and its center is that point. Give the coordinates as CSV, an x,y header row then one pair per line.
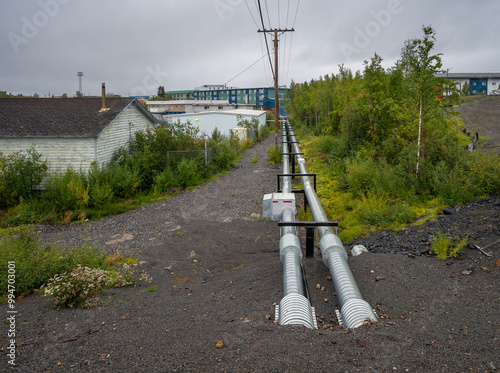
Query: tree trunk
x,y
419,134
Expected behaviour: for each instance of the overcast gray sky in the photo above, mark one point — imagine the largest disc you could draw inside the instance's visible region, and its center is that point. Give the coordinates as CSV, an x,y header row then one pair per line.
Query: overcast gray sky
x,y
135,46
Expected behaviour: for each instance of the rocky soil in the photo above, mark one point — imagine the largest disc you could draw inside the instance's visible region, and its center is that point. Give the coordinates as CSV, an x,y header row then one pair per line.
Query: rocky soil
x,y
216,267
483,116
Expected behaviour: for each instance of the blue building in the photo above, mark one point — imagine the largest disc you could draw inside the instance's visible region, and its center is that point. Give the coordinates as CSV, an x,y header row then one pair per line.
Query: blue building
x,y
480,83
261,98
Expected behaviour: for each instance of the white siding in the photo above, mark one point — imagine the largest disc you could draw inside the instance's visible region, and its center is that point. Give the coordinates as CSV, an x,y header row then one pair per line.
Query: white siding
x,y
120,131
223,121
79,153
60,153
493,85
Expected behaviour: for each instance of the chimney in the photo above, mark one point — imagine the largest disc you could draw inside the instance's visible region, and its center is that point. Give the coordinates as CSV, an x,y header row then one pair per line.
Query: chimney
x,y
104,108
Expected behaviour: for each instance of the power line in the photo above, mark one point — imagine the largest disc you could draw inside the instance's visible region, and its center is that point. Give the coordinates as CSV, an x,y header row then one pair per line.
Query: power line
x,y
265,65
267,9
296,12
287,12
256,24
279,18
265,37
246,69
289,58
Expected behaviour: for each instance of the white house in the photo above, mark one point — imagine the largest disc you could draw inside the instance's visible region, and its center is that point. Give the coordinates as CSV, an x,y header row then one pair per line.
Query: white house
x,y
72,132
224,121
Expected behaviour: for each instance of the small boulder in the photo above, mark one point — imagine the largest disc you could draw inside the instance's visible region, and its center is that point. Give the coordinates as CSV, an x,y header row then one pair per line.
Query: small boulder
x,y
448,211
358,250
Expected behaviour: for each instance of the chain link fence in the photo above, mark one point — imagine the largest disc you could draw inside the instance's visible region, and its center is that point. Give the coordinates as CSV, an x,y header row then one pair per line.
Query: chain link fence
x,y
205,155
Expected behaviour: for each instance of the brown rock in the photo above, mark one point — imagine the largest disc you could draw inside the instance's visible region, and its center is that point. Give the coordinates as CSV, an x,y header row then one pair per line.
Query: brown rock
x,y
220,344
497,263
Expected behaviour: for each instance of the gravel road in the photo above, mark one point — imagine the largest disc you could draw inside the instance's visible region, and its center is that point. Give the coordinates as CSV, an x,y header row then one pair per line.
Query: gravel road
x,y
216,267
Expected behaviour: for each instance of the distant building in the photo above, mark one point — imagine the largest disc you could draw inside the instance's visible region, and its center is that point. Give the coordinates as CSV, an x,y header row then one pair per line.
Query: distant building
x,y
71,132
480,83
224,121
161,109
180,95
260,98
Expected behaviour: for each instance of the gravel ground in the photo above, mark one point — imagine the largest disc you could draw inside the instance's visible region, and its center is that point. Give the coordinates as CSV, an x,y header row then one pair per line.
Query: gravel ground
x,y
216,267
482,116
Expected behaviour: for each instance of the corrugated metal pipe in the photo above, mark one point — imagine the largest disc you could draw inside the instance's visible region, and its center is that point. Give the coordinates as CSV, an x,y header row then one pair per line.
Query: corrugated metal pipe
x,y
353,309
294,308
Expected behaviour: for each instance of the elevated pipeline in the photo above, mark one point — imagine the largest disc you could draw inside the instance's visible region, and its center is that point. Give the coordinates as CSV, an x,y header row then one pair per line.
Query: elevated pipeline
x,y
354,310
294,308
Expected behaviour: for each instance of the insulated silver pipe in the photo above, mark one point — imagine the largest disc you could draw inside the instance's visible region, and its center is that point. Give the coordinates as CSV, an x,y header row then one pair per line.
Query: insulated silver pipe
x,y
294,307
353,309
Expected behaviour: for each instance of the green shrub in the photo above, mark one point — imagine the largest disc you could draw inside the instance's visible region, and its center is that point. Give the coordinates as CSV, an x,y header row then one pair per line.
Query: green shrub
x,y
378,210
20,176
36,263
164,181
372,175
274,154
225,154
442,246
100,194
338,148
124,181
325,144
65,192
78,287
187,173
23,213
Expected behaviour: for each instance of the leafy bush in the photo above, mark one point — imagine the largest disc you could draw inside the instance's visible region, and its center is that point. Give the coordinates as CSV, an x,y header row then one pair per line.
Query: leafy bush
x,y
78,287
36,263
187,173
124,181
100,194
225,150
274,154
326,144
81,286
164,181
137,171
338,148
67,191
20,176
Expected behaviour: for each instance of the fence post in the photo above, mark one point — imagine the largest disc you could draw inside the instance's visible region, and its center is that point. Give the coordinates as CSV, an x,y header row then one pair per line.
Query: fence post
x,y
206,154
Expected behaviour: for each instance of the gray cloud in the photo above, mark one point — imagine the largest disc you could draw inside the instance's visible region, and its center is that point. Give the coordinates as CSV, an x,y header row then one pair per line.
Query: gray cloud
x,y
136,46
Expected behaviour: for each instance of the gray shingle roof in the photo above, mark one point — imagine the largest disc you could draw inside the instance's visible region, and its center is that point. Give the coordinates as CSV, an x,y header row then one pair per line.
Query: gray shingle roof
x,y
59,117
469,75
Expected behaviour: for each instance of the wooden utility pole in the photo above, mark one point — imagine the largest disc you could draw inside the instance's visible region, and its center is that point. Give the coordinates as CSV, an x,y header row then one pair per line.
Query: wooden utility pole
x,y
276,86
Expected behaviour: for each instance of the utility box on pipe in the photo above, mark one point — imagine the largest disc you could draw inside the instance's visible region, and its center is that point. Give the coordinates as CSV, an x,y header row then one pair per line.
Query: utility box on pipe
x,y
273,204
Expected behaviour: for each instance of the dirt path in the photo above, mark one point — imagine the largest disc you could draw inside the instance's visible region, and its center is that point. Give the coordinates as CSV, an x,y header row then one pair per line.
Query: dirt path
x,y
217,270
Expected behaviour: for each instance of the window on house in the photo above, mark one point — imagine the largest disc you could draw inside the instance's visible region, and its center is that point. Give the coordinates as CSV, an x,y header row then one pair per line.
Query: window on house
x,y
219,107
493,83
207,107
473,83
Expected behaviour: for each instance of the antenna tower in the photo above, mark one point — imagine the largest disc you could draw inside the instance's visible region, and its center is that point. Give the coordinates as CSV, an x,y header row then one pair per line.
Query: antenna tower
x,y
79,74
